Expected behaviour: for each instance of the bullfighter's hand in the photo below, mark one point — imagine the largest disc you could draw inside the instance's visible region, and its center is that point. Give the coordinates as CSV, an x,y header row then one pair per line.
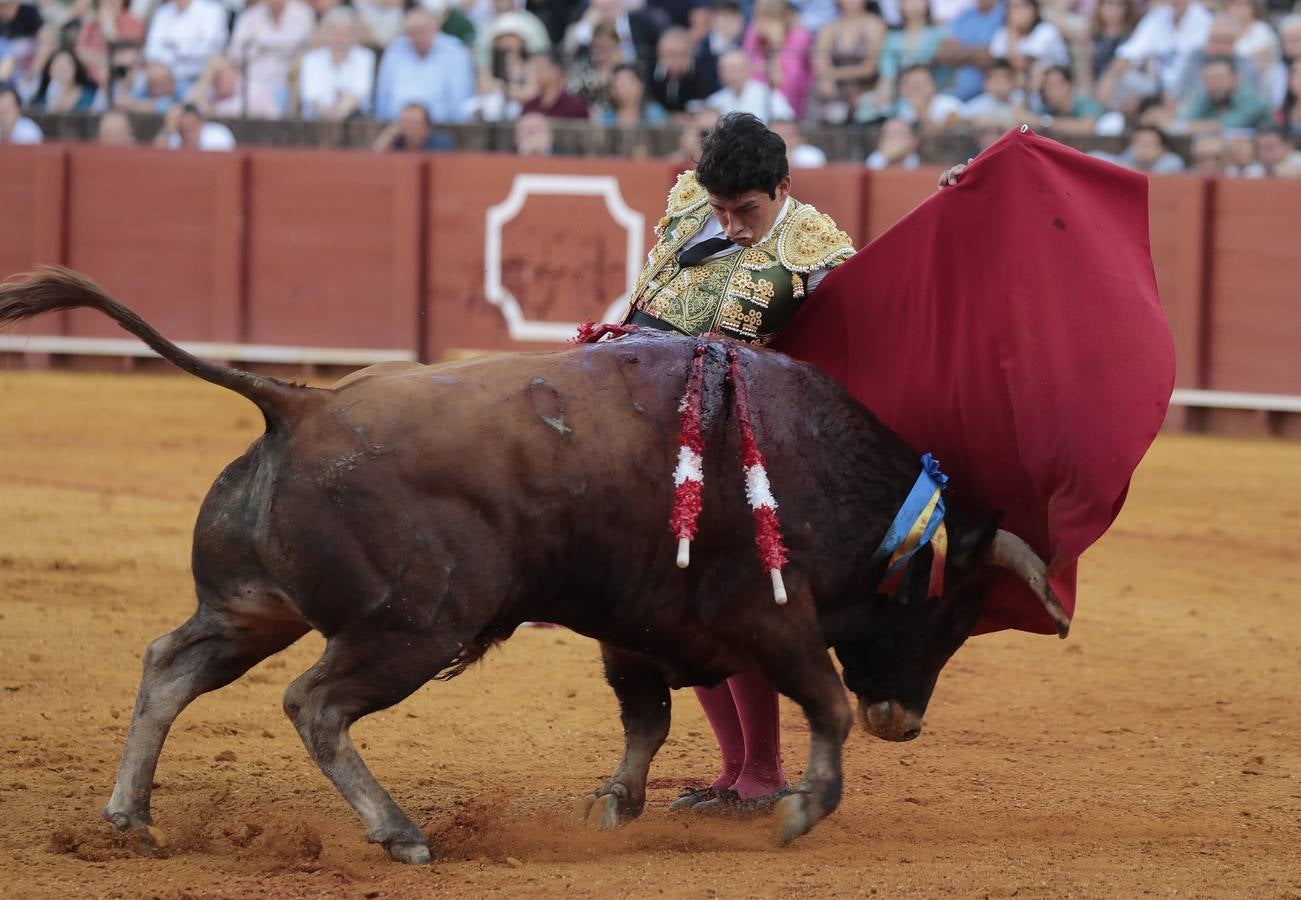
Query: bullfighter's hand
x,y
952,175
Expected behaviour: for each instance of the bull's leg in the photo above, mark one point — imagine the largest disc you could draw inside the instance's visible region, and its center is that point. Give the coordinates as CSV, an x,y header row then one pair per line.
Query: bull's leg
x,y
360,674
209,651
644,708
792,655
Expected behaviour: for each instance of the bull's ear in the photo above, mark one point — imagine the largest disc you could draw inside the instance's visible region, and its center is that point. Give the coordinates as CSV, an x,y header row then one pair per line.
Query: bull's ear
x,y
971,546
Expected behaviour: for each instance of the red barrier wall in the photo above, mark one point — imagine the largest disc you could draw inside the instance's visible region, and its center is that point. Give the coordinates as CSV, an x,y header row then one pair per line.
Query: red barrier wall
x,y
31,214
333,249
161,231
560,257
316,248
1255,320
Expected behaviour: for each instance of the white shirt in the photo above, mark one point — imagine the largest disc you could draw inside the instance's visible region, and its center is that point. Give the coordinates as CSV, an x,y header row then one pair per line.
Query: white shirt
x,y
943,106
1160,41
877,161
183,39
806,156
1043,44
713,229
26,132
943,11
270,47
755,98
322,84
212,136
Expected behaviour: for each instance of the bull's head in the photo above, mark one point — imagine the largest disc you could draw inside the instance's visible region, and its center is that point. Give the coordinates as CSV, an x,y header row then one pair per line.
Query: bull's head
x,y
901,643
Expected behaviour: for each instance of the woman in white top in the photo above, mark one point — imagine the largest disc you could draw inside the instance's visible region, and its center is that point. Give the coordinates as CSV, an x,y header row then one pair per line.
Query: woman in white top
x,y
336,80
1029,43
1258,42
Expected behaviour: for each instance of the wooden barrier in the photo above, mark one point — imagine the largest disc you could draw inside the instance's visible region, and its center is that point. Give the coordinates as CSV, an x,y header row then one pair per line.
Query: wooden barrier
x,y
318,257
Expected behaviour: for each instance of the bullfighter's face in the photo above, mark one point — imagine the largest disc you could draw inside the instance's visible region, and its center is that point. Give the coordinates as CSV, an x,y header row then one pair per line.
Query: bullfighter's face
x,y
747,219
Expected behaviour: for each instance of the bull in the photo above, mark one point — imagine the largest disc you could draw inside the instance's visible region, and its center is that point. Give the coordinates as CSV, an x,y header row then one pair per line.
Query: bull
x,y
416,515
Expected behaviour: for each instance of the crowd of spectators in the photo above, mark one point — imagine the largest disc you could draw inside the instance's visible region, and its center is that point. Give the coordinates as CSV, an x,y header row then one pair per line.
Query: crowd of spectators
x,y
1228,76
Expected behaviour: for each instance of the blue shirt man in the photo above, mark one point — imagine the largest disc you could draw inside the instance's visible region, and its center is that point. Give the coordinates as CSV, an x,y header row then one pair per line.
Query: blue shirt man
x,y
966,45
426,67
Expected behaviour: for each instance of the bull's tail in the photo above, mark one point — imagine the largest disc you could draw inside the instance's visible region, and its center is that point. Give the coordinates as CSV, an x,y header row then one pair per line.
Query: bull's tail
x,y
52,288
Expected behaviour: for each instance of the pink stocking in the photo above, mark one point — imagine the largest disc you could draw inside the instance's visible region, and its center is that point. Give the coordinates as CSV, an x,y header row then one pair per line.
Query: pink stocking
x,y
756,705
720,710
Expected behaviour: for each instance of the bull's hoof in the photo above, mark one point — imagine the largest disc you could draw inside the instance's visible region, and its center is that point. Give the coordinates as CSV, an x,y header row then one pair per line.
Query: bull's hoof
x,y
125,821
413,853
581,808
793,817
604,814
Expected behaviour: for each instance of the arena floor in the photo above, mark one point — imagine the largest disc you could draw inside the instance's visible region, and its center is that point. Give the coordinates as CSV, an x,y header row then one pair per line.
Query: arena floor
x,y
1154,753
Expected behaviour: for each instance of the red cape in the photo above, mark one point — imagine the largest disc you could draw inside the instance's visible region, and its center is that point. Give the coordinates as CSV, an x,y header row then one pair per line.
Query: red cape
x,y
1011,326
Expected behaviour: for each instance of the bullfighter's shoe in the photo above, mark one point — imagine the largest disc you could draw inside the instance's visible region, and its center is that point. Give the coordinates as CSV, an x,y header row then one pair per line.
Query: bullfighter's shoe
x,y
730,803
692,796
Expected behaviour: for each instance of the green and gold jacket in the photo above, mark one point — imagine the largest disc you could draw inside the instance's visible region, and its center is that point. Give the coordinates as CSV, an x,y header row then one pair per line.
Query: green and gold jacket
x,y
750,294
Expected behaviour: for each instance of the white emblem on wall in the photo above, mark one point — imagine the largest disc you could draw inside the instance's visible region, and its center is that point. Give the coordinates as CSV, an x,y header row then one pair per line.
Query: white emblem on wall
x,y
605,186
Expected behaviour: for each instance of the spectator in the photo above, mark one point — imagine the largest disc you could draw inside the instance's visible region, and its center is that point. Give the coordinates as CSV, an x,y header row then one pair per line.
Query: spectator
x,y
896,148
1113,23
503,78
847,59
413,130
1242,149
154,91
109,23
1155,57
1274,151
798,154
1210,155
221,92
1000,100
741,94
185,128
917,102
915,44
380,21
534,135
183,34
966,46
426,67
514,28
1223,101
14,127
1257,42
1289,112
267,40
702,122
676,13
779,47
1028,42
629,105
1060,107
336,80
1275,86
590,72
635,31
549,96
20,23
1220,41
65,86
115,130
1149,152
676,80
726,29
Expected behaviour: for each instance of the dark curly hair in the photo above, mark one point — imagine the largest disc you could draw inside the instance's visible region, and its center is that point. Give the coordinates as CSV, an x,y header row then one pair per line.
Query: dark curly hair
x,y
741,155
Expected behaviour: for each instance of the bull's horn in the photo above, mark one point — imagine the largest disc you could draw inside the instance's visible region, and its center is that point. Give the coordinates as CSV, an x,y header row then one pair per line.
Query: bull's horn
x,y
1010,552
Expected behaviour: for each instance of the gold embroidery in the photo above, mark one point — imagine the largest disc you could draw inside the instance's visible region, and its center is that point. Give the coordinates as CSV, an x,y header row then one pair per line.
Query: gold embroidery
x,y
755,260
744,286
797,286
729,316
686,195
810,240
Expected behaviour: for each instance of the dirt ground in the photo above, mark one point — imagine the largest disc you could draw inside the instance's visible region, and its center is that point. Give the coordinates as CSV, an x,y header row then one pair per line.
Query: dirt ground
x,y
1156,752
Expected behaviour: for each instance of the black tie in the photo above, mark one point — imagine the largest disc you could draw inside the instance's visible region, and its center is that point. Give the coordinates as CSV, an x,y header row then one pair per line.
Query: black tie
x,y
694,256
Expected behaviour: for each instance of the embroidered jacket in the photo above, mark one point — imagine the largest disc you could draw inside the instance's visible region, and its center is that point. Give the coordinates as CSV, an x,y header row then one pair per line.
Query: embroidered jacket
x,y
749,294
